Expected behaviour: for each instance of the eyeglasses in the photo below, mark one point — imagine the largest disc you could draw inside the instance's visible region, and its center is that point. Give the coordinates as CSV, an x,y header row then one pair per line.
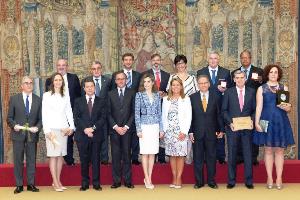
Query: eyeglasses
x,y
204,83
28,83
96,69
120,79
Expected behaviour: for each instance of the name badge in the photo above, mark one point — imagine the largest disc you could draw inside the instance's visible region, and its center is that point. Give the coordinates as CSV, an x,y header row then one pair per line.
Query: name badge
x,y
254,76
223,84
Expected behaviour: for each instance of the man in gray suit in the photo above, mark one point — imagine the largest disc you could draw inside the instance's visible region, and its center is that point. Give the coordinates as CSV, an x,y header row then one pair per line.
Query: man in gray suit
x,y
102,87
25,119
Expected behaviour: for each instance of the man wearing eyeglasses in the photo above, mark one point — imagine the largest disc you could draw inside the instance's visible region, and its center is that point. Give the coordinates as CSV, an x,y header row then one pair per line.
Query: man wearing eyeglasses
x,y
25,119
102,86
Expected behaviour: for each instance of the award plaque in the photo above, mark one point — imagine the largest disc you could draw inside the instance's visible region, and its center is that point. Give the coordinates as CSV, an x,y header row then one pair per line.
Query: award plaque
x,y
242,123
264,124
282,97
222,82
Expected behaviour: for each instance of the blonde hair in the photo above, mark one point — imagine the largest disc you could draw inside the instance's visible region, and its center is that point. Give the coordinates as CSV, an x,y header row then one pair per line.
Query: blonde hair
x,y
170,93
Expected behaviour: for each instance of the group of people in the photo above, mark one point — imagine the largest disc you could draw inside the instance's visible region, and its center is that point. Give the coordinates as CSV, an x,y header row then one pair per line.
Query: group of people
x,y
153,113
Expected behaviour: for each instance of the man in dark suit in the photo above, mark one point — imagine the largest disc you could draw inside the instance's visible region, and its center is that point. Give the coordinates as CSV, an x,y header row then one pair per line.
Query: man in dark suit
x,y
254,79
206,127
102,86
220,80
239,101
132,82
25,119
161,81
72,88
89,118
121,117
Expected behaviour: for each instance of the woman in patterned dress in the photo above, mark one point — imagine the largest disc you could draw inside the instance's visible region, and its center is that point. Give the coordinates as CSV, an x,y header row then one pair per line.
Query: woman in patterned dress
x,y
189,87
176,118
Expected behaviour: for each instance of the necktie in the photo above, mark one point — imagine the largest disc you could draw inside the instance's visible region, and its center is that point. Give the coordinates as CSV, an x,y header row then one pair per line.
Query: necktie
x,y
213,78
204,102
90,105
241,101
121,96
157,79
27,105
97,87
128,82
246,73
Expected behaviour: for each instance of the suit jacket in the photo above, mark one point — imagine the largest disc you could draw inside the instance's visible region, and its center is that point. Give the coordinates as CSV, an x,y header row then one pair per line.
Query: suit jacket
x,y
121,114
163,79
184,114
206,124
83,119
231,106
222,74
105,86
136,76
16,115
250,82
73,85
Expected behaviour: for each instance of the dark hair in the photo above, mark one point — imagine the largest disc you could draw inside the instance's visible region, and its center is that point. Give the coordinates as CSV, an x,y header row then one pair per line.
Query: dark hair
x,y
245,51
62,93
88,80
141,86
155,55
126,55
170,93
180,57
202,76
120,72
267,70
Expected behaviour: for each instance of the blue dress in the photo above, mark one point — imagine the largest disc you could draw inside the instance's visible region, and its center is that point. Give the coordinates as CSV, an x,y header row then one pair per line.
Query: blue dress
x,y
279,132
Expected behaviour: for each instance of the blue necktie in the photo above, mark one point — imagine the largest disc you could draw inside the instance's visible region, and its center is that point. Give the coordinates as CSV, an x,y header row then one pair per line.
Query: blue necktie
x,y
128,82
97,87
213,78
246,72
27,105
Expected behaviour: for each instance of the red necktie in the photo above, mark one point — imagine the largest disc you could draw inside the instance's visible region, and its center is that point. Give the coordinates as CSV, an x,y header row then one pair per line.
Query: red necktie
x,y
157,80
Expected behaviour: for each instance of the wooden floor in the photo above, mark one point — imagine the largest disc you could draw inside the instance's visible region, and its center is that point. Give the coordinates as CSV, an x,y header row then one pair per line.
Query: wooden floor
x,y
161,192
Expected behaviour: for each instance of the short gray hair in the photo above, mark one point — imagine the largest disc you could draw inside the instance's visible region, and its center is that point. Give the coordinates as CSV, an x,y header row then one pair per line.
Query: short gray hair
x,y
202,76
26,77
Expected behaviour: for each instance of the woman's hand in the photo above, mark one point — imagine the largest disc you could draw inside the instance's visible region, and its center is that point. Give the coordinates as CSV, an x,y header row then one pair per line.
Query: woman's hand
x,y
258,127
140,134
181,136
161,134
285,106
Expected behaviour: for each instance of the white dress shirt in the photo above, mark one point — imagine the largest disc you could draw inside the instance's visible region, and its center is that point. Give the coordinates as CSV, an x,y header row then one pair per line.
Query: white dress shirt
x,y
206,95
211,73
66,88
243,92
88,98
99,81
126,72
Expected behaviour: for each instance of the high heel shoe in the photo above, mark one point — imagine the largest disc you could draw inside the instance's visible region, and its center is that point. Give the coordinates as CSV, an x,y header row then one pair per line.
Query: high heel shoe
x,y
269,186
57,189
62,187
148,186
279,187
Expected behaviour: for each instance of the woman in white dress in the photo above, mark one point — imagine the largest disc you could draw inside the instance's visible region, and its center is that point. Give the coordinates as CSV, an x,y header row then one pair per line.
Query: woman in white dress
x,y
176,117
190,86
58,124
148,124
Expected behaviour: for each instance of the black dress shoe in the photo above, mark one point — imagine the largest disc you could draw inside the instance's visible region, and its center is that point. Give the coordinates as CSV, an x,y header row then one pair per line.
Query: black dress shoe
x,y
230,186
213,185
129,185
136,162
198,186
83,188
32,188
255,162
104,162
18,189
249,186
222,162
115,185
70,163
97,187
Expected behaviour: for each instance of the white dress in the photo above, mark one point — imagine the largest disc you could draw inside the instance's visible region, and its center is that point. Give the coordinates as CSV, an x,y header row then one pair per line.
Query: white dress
x,y
56,115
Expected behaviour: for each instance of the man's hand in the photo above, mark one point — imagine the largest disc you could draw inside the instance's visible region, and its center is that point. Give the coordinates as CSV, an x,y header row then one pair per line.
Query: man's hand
x,y
140,134
33,129
221,89
161,134
220,134
191,135
232,126
17,128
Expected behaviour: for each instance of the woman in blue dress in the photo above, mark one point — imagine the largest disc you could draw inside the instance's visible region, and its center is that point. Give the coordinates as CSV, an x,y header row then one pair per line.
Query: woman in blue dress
x,y
273,128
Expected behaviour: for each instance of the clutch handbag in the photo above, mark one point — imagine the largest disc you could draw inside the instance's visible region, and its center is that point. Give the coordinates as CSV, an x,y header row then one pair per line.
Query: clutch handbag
x,y
264,125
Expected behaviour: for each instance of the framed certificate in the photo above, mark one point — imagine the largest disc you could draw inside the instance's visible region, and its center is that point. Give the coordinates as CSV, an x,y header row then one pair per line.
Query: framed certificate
x,y
282,97
242,123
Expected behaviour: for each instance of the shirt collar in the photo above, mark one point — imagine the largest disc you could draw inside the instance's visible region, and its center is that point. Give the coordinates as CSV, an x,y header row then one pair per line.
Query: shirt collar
x,y
155,70
210,68
240,88
25,95
248,68
126,71
87,97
